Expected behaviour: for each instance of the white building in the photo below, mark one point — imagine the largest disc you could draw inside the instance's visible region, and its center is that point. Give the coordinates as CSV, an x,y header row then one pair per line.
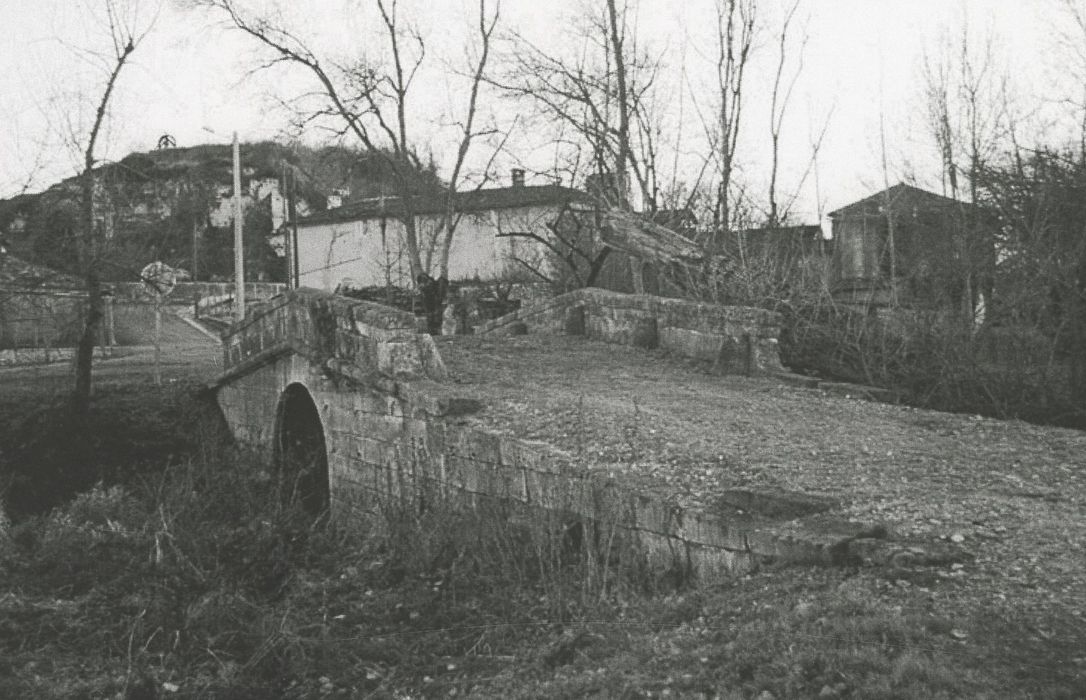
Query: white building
x,y
361,244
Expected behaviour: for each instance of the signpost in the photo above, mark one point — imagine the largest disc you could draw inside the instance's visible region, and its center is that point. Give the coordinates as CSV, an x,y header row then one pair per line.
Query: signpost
x,y
160,279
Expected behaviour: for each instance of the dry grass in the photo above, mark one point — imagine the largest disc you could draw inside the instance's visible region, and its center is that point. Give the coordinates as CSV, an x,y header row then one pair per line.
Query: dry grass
x,y
187,579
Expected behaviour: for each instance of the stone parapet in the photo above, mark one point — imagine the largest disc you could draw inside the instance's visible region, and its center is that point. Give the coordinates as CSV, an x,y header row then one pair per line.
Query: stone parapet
x,y
328,329
736,339
398,437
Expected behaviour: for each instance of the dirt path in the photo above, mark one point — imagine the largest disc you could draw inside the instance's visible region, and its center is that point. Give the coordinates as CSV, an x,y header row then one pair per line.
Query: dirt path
x,y
134,325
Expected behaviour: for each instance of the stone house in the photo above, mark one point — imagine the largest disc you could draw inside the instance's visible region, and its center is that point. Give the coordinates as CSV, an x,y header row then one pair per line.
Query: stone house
x,y
928,250
361,244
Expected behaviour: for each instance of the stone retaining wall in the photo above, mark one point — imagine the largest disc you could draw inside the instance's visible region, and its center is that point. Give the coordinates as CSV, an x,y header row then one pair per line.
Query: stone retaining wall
x,y
736,339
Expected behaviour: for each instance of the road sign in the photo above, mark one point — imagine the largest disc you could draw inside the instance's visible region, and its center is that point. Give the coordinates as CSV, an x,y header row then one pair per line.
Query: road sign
x,y
159,278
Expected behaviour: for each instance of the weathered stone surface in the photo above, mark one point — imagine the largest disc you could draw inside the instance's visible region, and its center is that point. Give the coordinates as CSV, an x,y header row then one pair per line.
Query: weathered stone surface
x,y
773,504
396,437
736,339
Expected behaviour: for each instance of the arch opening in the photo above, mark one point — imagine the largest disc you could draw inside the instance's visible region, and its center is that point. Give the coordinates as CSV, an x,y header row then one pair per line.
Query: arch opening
x,y
301,455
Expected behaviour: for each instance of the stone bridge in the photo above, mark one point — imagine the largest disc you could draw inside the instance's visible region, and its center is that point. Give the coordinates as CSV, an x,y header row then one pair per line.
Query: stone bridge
x,y
356,408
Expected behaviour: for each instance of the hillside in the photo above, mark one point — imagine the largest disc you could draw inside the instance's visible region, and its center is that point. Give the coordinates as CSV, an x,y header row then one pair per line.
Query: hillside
x,y
175,205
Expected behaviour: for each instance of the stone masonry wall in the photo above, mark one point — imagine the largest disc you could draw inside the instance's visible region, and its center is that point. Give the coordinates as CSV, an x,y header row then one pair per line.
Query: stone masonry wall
x,y
397,435
736,339
396,450
366,341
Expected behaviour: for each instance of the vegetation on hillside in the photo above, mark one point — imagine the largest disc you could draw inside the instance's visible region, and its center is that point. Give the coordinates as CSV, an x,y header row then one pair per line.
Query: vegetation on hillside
x,y
158,205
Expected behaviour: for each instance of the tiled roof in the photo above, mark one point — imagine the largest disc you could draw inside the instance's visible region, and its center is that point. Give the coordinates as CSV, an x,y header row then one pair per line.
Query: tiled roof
x,y
901,197
18,274
801,231
474,201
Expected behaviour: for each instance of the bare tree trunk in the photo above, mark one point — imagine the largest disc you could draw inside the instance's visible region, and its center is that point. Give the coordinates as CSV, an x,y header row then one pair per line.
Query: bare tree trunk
x,y
616,26
619,57
89,249
778,108
735,34
449,220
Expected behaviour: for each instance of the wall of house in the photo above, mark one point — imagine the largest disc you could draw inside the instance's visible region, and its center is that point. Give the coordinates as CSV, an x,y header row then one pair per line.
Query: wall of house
x,y
858,244
931,259
371,252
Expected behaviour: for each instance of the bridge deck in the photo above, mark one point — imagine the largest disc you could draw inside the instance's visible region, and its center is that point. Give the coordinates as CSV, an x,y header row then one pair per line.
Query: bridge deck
x,y
1005,486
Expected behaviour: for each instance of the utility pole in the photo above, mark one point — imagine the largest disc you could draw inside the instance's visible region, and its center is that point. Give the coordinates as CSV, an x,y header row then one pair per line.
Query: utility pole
x,y
288,249
292,211
195,250
239,251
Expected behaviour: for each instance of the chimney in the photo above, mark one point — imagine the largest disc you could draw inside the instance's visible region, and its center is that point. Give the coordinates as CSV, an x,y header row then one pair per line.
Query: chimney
x,y
518,177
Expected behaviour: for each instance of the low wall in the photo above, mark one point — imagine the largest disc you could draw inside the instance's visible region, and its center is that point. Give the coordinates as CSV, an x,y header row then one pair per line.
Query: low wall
x,y
360,339
191,292
41,356
42,327
40,319
736,339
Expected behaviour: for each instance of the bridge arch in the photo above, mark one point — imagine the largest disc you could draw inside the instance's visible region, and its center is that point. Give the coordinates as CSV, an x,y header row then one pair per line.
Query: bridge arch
x,y
301,452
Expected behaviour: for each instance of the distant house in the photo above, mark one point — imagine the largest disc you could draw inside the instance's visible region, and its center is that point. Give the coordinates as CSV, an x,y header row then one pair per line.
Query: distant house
x,y
361,243
941,249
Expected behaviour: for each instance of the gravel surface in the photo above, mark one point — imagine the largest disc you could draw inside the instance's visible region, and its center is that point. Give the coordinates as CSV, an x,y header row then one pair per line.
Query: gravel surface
x,y
1011,493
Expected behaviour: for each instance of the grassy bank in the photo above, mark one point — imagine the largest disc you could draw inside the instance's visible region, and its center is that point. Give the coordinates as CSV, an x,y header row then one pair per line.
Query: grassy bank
x,y
177,572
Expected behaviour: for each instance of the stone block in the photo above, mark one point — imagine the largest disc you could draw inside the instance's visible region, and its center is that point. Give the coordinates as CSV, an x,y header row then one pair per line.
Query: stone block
x,y
399,359
644,333
691,343
663,554
772,503
712,564
574,322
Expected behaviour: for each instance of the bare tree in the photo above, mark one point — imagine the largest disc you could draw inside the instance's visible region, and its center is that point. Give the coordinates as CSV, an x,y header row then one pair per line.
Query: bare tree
x,y
598,104
735,39
967,110
779,106
124,37
1072,36
449,220
373,104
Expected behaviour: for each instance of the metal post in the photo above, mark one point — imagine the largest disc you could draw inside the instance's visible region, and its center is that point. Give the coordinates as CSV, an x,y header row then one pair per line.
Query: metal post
x,y
158,340
195,250
239,251
292,204
288,249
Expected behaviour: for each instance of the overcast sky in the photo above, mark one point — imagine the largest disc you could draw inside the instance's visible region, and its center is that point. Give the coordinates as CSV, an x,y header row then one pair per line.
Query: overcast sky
x,y
863,60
